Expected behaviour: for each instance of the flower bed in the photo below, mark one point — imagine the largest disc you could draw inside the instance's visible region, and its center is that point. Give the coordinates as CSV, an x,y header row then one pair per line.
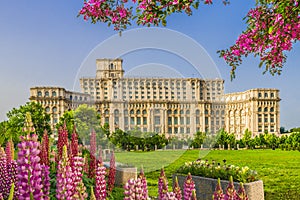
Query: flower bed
x,y
217,170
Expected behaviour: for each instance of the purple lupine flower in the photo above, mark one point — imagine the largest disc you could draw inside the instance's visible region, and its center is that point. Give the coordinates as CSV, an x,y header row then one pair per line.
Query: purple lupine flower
x,y
46,180
4,190
112,172
241,194
144,184
230,191
29,169
64,178
177,189
80,189
218,194
162,184
188,187
100,187
12,171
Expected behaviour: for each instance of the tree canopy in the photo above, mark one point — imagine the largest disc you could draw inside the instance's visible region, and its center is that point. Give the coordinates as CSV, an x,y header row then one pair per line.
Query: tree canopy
x,y
272,26
13,127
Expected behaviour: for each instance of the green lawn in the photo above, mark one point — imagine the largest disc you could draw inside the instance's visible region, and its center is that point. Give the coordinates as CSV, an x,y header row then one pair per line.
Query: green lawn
x,y
279,170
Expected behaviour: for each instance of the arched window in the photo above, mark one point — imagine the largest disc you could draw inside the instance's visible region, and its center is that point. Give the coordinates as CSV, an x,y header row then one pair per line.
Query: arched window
x,y
53,94
206,112
187,112
197,112
259,95
106,112
132,112
259,109
116,112
144,112
266,95
39,94
272,109
265,109
54,109
125,112
138,112
47,109
175,112
46,94
169,112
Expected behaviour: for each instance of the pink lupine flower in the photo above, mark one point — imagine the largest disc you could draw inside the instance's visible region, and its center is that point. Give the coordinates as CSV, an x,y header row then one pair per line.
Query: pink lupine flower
x,y
162,184
112,172
177,189
230,191
218,194
188,187
144,184
65,177
79,188
100,187
241,194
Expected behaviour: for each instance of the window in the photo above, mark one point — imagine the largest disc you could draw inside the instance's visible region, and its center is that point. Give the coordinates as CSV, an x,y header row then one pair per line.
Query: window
x,y
259,109
266,109
187,120
272,109
259,95
266,95
169,120
157,120
47,109
197,112
54,109
39,93
138,120
132,120
175,120
144,112
46,94
187,112
145,120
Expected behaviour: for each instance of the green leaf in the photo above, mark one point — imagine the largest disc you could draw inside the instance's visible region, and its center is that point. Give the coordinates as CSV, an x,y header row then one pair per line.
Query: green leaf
x,y
270,29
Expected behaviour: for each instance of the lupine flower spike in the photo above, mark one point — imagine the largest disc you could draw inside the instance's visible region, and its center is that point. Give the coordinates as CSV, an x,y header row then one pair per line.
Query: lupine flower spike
x,y
112,172
230,191
29,169
218,194
241,194
177,189
188,187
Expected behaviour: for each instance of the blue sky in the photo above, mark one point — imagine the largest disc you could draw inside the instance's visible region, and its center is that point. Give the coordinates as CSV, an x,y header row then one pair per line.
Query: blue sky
x,y
44,43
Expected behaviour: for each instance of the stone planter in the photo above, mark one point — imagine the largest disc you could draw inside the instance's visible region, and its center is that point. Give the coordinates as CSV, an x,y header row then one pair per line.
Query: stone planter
x,y
123,174
205,187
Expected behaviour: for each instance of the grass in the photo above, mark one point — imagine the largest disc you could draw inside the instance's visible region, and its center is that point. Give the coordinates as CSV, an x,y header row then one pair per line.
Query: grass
x,y
279,170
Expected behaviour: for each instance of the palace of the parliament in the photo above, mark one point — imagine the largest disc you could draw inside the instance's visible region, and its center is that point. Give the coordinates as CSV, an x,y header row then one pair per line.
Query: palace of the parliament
x,y
174,106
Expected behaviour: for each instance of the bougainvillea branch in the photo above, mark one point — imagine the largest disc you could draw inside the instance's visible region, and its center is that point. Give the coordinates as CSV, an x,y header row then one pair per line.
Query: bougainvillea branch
x,y
120,13
272,26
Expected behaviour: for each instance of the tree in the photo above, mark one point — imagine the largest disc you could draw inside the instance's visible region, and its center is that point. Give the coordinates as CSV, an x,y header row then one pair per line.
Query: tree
x,y
68,118
247,138
272,26
86,119
198,139
13,127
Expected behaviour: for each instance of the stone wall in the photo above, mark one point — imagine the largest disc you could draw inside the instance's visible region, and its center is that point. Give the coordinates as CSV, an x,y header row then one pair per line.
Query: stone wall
x,y
205,187
123,174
